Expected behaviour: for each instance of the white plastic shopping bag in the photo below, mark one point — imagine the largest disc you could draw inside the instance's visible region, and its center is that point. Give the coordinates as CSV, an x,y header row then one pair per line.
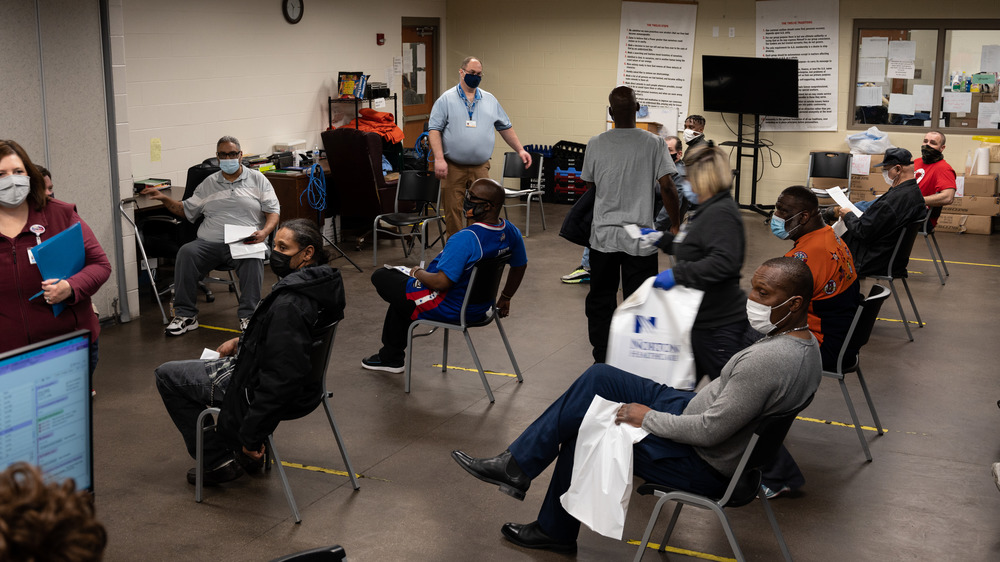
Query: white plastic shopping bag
x,y
599,491
651,334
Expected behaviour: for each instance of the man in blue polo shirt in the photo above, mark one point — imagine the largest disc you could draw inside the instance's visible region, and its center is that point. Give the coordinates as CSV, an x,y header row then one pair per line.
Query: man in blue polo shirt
x,y
438,291
460,132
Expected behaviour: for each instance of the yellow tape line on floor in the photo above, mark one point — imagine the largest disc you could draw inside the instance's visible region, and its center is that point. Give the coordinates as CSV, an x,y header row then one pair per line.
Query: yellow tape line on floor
x,y
685,552
327,470
219,329
851,425
487,371
959,262
894,320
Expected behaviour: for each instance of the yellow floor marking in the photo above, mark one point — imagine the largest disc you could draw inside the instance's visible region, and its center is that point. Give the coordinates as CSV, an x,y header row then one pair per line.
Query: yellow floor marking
x,y
685,552
851,425
960,262
219,329
487,371
894,320
327,470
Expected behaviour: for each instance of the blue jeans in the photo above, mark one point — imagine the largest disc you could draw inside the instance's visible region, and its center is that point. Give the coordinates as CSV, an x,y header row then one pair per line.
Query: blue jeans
x,y
187,388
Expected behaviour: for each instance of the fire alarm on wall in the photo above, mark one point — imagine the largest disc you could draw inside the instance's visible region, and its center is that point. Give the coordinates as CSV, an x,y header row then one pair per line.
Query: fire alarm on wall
x,y
380,38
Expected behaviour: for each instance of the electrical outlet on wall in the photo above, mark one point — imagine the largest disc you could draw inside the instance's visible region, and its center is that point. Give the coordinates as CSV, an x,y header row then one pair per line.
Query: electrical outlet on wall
x,y
732,32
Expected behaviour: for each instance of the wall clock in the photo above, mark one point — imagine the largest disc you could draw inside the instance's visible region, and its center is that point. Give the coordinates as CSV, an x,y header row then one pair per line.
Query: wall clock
x,y
292,9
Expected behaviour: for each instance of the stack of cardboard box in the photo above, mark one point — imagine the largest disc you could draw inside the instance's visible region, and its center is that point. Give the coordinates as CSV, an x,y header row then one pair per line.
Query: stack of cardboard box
x,y
871,185
976,211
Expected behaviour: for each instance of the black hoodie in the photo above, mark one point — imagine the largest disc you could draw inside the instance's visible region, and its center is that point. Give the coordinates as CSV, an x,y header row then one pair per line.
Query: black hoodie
x,y
272,380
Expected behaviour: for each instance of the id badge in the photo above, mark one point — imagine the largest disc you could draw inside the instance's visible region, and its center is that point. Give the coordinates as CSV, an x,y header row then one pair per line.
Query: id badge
x,y
470,123
31,257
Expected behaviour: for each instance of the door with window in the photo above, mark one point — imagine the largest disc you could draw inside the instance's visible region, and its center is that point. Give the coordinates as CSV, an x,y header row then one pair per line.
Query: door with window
x,y
418,79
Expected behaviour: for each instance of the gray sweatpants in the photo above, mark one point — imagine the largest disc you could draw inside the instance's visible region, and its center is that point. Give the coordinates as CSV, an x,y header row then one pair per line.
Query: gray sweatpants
x,y
196,259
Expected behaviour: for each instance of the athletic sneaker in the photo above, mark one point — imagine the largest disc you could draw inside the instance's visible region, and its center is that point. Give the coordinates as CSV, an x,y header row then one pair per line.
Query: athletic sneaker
x,y
579,275
243,324
771,494
181,324
375,363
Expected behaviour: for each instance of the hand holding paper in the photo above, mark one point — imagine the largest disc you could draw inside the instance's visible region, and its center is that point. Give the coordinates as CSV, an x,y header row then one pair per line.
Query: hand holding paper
x,y
236,235
838,195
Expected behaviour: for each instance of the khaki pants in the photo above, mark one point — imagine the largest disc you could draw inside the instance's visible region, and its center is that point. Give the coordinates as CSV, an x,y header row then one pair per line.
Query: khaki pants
x,y
453,188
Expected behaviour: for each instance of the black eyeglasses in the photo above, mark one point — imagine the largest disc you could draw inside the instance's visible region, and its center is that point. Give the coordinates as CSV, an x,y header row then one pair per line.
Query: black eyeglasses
x,y
473,199
472,72
228,155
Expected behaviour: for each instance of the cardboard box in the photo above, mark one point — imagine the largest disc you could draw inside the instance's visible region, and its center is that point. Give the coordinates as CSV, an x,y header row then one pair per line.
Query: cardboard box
x,y
827,183
970,224
983,206
980,186
861,195
873,181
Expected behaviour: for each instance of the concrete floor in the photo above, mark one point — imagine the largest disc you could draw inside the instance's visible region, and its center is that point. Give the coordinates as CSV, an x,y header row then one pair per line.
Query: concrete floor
x,y
928,495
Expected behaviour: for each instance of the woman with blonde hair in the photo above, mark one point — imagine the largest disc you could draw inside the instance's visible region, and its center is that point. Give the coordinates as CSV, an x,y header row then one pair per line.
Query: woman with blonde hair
x,y
710,248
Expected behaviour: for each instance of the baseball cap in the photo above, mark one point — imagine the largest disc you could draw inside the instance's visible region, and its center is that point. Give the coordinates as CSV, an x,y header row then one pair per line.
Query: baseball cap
x,y
896,157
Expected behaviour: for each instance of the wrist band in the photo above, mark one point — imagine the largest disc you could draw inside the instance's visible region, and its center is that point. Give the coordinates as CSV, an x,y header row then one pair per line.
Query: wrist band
x,y
504,295
413,272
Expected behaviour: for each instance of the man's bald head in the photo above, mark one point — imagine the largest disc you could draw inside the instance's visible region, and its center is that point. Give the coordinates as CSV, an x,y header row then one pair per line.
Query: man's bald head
x,y
622,101
490,190
793,276
800,199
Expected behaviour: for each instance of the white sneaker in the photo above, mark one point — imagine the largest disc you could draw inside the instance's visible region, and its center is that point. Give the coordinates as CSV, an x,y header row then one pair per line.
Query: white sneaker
x,y
181,324
244,322
578,275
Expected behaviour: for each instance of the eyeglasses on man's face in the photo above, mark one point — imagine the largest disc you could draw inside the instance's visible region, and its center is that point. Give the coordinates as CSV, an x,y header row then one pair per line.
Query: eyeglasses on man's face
x,y
228,155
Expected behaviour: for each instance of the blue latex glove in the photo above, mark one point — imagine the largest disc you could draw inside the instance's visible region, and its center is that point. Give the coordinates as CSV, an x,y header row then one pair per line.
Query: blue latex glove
x,y
645,231
665,280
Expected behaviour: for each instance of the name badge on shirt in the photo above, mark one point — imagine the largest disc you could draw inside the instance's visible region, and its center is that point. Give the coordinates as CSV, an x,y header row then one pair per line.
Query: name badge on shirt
x,y
470,123
31,257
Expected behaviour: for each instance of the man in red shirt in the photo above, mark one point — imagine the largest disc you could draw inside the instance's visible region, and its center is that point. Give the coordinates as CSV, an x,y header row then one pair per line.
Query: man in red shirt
x,y
934,176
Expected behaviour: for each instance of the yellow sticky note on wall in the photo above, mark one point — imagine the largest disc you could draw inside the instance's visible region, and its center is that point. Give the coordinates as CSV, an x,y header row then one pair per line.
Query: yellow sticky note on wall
x,y
155,148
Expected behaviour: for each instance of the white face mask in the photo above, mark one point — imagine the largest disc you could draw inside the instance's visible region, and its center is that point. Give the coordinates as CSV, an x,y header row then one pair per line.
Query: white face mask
x,y
759,316
690,135
14,190
885,176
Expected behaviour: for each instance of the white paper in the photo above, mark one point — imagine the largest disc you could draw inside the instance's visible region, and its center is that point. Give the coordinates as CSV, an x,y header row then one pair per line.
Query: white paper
x,y
842,200
403,268
421,82
397,65
990,59
241,251
601,485
900,69
236,233
871,70
957,102
421,55
923,97
874,47
903,50
633,230
989,115
868,96
209,354
901,104
407,61
861,164
960,186
839,228
378,103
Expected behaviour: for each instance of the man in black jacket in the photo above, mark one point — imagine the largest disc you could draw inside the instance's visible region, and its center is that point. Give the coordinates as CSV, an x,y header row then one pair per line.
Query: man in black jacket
x,y
872,236
265,375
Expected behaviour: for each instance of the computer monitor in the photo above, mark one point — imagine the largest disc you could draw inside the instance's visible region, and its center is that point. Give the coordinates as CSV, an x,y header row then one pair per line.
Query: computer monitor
x,y
45,408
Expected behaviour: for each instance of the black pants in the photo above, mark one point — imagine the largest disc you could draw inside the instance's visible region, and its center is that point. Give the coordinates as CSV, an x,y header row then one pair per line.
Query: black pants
x,y
607,270
714,347
391,286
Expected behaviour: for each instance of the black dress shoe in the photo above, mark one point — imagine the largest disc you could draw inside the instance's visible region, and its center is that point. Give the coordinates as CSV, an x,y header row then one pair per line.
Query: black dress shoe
x,y
530,535
249,465
501,470
226,472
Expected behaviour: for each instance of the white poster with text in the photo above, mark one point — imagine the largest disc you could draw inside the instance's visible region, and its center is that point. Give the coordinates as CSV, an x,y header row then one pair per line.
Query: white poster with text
x,y
655,52
805,30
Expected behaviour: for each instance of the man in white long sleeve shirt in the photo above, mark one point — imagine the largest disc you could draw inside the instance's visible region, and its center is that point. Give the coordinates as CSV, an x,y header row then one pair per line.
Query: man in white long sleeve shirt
x,y
695,439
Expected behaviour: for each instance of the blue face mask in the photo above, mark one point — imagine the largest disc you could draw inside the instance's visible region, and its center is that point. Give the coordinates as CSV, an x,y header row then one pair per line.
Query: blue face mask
x,y
778,226
472,81
229,165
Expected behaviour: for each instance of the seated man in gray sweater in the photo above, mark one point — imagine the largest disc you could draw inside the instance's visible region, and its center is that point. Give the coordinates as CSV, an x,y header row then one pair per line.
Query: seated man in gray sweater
x,y
696,439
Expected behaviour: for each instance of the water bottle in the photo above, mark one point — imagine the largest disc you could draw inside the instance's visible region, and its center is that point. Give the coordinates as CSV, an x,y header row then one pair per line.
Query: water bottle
x,y
315,154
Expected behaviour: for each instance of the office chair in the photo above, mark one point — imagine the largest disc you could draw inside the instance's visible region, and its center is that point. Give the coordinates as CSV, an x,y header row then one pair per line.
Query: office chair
x,y
513,167
743,486
424,190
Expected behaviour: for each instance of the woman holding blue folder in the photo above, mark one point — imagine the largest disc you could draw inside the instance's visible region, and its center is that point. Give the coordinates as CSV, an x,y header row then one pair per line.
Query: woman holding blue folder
x,y
28,218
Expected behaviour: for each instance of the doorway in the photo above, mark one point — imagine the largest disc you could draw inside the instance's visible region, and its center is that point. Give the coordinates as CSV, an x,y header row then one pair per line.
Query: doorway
x,y
419,56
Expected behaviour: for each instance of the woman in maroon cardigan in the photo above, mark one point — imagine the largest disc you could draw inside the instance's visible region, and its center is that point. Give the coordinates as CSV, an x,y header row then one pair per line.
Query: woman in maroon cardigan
x,y
28,217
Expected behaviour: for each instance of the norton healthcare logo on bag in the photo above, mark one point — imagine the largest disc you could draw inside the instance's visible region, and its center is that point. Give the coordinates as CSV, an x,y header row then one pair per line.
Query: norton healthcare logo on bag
x,y
640,347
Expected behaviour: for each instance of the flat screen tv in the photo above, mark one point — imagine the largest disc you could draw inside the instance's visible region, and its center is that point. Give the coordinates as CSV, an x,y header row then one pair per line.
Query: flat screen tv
x,y
45,408
751,85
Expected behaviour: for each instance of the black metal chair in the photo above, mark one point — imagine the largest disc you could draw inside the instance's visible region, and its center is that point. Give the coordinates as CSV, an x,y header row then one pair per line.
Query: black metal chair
x,y
483,287
743,487
824,164
423,190
320,360
513,167
333,553
897,270
928,231
857,336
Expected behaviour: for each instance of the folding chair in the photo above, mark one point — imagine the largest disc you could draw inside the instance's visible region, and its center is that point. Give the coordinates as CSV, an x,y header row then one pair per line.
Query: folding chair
x,y
897,270
320,360
483,287
824,164
422,189
743,486
928,231
513,167
857,336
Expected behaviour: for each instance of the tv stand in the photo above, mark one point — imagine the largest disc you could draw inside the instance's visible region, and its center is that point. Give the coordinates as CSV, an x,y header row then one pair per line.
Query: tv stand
x,y
754,147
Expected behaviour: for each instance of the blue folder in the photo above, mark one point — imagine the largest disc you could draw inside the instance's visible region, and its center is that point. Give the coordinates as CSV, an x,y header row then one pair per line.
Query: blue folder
x,y
61,257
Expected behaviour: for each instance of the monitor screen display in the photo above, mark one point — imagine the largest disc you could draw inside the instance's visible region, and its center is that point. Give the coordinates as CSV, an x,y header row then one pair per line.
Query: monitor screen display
x,y
45,408
753,86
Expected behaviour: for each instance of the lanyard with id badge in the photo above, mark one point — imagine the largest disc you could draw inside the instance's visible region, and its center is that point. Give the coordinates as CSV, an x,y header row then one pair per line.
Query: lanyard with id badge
x,y
471,108
37,230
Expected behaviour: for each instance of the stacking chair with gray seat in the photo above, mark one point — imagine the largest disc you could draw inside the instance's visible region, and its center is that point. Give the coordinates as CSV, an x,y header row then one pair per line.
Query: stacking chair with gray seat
x,y
857,336
743,486
423,190
320,360
897,270
513,167
928,232
483,287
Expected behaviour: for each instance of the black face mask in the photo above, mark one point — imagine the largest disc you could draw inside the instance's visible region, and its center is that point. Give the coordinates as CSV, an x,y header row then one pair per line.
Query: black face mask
x,y
930,155
674,157
478,208
281,264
